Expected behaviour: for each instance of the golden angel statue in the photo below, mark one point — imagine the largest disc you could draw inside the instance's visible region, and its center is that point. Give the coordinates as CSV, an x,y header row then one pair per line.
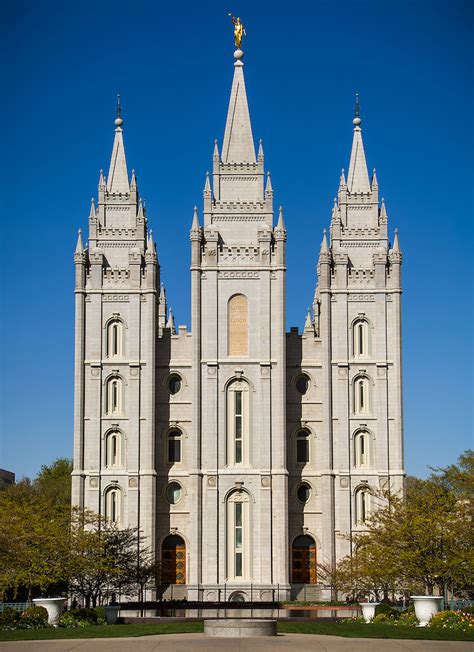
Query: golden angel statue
x,y
239,31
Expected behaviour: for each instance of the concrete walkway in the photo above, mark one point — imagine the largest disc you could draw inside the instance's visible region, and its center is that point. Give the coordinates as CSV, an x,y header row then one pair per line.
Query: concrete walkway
x,y
201,643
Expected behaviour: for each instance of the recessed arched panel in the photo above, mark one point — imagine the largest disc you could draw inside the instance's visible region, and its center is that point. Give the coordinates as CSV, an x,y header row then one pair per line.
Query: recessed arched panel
x,y
238,326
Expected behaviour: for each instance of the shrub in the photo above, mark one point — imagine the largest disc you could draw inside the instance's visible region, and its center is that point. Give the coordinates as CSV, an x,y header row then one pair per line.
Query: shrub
x,y
34,618
10,618
100,612
459,620
89,615
407,617
386,610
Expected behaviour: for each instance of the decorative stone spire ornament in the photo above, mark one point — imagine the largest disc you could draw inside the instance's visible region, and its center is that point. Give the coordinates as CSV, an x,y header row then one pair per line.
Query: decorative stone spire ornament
x,y
324,244
170,323
80,245
117,181
342,180
92,213
269,187
358,176
396,244
374,184
195,225
280,224
308,324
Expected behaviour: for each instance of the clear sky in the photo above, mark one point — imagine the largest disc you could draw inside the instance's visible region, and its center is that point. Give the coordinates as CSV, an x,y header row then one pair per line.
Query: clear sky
x,y
63,64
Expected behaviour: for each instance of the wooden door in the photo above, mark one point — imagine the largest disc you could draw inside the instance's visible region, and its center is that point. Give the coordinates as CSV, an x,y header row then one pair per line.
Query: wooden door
x,y
304,565
173,564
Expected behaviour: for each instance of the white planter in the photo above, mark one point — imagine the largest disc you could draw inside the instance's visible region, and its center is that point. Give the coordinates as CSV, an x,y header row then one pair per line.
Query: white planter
x,y
368,610
426,606
111,614
54,607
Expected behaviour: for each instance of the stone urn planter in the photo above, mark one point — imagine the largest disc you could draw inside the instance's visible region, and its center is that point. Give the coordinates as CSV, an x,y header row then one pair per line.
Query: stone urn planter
x,y
54,607
426,606
368,610
111,614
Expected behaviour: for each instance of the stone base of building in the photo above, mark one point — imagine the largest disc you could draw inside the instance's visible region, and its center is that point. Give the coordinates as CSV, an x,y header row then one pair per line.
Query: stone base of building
x,y
243,592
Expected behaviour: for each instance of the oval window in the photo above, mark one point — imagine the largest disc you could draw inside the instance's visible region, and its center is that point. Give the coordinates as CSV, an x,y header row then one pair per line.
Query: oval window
x,y
303,492
174,383
174,493
302,384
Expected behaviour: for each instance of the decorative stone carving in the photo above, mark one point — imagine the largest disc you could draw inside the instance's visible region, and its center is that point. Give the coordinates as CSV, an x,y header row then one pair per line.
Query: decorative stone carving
x,y
133,482
266,481
94,482
344,482
211,480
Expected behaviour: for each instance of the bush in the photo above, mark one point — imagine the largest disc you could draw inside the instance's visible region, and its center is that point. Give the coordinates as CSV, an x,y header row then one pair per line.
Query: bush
x,y
386,610
10,618
82,617
34,618
101,619
407,617
459,620
90,615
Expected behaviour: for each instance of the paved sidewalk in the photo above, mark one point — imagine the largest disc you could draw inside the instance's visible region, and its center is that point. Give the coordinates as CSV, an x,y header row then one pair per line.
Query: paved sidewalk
x,y
201,643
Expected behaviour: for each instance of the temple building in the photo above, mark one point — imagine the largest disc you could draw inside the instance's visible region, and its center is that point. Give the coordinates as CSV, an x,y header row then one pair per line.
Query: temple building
x,y
246,455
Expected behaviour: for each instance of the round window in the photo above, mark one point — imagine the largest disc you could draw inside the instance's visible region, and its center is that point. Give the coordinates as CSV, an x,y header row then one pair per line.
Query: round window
x,y
303,492
302,384
174,383
174,493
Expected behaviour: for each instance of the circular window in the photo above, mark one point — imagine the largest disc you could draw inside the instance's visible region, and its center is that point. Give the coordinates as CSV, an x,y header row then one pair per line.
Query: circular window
x,y
303,492
174,383
302,384
174,492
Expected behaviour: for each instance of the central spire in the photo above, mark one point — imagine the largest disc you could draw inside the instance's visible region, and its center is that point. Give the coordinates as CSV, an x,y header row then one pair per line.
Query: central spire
x,y
238,146
358,176
117,181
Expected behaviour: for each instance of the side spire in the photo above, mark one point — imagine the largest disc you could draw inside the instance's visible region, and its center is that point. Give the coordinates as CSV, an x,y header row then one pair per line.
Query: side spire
x,y
170,323
117,181
324,244
238,145
80,245
396,243
269,187
358,176
308,324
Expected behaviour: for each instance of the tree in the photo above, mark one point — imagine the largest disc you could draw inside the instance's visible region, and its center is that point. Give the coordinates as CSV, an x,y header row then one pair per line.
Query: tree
x,y
105,560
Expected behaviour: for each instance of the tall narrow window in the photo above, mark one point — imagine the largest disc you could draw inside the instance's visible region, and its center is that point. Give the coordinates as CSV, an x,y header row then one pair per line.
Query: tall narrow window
x,y
114,397
361,449
113,450
238,536
362,505
238,423
113,505
238,543
114,338
238,326
361,395
302,447
174,446
360,338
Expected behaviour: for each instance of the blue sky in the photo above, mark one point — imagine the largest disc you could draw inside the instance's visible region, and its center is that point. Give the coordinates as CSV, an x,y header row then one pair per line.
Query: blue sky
x,y
62,66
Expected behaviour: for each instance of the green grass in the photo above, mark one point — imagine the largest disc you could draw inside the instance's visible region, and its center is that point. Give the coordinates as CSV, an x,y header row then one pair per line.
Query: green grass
x,y
348,630
101,631
361,630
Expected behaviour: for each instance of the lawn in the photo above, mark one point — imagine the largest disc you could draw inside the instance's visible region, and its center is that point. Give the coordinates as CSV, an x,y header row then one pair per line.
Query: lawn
x,y
348,630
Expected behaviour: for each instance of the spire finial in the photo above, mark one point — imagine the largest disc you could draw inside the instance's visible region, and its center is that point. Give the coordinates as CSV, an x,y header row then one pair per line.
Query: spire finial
x,y
118,119
239,33
357,121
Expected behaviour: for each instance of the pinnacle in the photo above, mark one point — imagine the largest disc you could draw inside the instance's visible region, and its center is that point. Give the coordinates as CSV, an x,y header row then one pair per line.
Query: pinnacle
x,y
79,245
238,145
269,188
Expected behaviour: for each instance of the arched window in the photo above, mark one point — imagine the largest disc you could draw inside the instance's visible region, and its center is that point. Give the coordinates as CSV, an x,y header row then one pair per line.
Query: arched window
x,y
114,398
238,536
114,338
362,449
302,447
361,395
362,505
238,397
360,338
113,450
174,446
238,326
113,505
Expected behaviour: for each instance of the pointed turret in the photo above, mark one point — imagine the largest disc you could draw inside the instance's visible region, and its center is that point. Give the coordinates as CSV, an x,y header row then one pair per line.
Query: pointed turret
x,y
80,245
342,180
358,176
396,244
117,181
92,213
383,211
335,212
133,182
374,184
269,187
281,223
260,150
170,323
308,324
215,154
324,244
101,180
207,185
238,145
195,225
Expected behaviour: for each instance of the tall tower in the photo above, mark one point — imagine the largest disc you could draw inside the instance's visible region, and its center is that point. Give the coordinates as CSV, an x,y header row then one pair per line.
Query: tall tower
x,y
117,281
238,331
358,303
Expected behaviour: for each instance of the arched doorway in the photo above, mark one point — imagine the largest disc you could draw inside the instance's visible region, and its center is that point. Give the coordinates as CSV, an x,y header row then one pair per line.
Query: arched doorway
x,y
303,560
173,560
